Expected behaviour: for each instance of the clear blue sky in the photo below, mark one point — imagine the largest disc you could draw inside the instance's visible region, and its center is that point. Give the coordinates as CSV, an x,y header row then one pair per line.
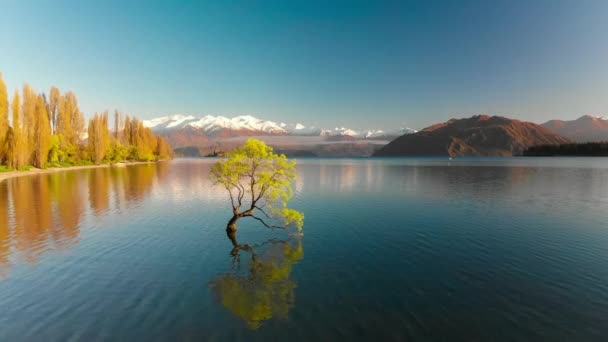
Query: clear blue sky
x,y
362,64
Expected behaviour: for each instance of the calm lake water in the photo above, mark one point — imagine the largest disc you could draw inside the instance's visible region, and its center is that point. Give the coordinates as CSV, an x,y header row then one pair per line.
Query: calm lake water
x,y
393,249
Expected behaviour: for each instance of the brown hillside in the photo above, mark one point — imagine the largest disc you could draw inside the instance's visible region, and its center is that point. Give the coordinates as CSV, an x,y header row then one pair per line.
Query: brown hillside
x,y
480,135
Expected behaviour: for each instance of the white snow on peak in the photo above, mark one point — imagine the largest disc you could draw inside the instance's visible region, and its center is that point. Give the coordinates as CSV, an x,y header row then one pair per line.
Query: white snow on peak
x,y
594,117
213,124
167,121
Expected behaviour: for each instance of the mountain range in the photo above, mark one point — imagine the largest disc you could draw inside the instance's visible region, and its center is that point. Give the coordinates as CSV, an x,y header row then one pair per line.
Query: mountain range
x,y
587,128
483,135
200,136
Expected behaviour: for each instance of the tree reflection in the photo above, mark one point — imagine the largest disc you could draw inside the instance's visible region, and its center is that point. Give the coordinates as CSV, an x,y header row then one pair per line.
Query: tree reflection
x,y
259,287
99,190
44,212
5,242
69,204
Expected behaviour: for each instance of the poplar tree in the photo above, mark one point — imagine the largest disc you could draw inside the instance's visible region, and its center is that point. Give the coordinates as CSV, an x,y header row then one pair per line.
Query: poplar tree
x,y
163,150
117,119
42,137
29,121
126,132
99,137
3,119
70,124
17,149
54,100
50,129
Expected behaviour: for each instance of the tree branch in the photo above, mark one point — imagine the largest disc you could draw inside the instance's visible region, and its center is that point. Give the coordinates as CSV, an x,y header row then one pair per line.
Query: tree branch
x,y
260,209
266,224
241,191
265,187
231,197
240,195
252,184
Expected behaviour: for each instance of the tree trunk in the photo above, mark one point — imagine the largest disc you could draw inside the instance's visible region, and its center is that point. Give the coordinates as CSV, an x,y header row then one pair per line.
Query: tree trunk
x,y
231,227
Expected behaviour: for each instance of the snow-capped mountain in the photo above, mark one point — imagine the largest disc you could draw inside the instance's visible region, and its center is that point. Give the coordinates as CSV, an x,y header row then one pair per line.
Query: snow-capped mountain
x,y
210,124
205,135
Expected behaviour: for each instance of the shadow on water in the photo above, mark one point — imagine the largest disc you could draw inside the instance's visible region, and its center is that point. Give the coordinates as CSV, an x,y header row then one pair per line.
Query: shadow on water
x,y
259,286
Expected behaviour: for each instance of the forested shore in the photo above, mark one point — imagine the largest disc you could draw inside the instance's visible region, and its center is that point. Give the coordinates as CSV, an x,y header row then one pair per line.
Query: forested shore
x,y
595,149
48,130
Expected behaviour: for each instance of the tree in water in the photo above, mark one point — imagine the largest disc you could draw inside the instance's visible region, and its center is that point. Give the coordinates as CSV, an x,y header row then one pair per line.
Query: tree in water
x,y
265,289
257,179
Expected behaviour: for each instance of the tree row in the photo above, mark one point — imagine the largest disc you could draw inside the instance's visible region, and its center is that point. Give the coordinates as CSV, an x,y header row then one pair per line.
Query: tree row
x,y
50,130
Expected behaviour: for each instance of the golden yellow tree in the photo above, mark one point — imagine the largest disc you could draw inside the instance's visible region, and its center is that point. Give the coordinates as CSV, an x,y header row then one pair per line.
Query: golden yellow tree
x,y
70,124
126,132
163,150
42,139
3,119
29,120
99,137
16,144
51,129
54,100
117,121
145,142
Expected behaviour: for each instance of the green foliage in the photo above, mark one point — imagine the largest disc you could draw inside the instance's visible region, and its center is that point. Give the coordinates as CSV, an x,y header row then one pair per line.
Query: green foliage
x,y
55,151
58,164
255,178
117,152
25,168
147,157
292,217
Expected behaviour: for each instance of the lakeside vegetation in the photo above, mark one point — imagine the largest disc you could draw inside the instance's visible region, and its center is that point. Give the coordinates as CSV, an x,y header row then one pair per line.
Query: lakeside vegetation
x,y
47,131
592,149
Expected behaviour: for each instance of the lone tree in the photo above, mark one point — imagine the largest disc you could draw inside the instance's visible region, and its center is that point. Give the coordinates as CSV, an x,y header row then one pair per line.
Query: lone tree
x,y
257,179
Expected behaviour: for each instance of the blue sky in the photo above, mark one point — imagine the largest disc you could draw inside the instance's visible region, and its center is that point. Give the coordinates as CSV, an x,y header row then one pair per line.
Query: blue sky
x,y
361,64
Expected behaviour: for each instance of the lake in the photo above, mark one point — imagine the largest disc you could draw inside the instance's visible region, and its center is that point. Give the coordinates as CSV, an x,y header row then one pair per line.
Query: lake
x,y
393,249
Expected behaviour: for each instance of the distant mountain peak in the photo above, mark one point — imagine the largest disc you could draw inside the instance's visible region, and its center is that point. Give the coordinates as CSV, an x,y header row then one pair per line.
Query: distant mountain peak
x,y
587,128
250,125
593,117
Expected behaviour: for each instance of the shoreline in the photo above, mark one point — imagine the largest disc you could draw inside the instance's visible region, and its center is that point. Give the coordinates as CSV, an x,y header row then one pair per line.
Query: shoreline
x,y
34,171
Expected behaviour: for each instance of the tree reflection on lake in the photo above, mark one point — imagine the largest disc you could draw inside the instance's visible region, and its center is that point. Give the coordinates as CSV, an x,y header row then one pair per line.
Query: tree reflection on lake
x,y
259,287
40,213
